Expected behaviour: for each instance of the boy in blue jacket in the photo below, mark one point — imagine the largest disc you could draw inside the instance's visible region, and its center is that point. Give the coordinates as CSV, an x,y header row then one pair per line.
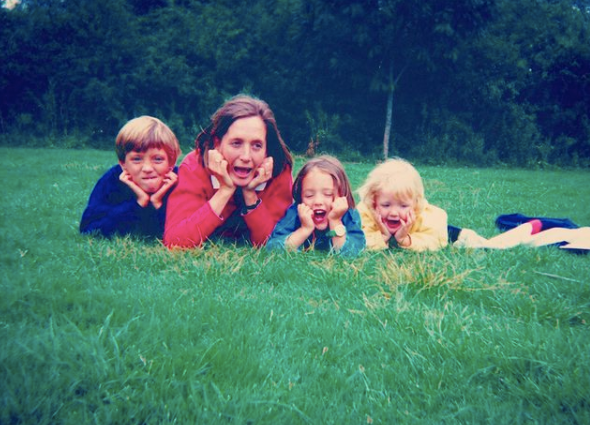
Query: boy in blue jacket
x,y
130,198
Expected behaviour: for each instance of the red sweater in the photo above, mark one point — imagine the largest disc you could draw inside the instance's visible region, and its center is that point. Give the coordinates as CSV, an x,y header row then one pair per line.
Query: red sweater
x,y
190,221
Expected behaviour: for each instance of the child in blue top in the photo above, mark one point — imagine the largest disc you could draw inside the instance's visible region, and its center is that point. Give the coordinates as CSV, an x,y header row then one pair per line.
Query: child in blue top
x,y
130,198
323,215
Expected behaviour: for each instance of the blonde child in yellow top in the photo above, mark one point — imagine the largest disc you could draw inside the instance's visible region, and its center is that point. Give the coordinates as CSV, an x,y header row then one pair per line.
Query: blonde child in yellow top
x,y
395,213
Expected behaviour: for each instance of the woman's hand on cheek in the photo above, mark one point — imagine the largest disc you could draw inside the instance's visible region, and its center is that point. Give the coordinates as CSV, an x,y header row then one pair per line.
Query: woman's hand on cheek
x,y
263,173
217,166
339,208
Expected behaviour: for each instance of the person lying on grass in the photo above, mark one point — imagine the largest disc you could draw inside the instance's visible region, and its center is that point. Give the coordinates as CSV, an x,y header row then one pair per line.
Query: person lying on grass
x,y
323,215
395,213
236,184
130,198
521,230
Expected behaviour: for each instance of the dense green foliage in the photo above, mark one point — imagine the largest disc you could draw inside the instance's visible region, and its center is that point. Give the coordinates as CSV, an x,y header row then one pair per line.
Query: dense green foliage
x,y
471,81
126,332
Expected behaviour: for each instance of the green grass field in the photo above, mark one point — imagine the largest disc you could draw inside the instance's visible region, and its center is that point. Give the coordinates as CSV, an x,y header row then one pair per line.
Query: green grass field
x,y
126,332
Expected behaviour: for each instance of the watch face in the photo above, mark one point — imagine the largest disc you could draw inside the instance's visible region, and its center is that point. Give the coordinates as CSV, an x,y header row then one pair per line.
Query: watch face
x,y
340,230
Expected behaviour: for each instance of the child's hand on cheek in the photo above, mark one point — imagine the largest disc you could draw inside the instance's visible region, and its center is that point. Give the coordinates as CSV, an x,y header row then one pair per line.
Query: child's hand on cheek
x,y
403,234
143,198
305,217
382,227
339,208
170,179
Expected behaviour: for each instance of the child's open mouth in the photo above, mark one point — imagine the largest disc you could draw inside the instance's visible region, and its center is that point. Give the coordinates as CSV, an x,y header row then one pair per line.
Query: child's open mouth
x,y
392,223
242,172
319,216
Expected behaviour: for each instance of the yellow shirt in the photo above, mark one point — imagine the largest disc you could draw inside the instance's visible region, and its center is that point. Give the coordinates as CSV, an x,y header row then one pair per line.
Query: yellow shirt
x,y
429,231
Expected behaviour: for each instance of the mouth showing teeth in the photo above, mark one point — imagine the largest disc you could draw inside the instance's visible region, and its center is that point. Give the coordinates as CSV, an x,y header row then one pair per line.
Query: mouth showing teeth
x,y
242,171
319,215
392,223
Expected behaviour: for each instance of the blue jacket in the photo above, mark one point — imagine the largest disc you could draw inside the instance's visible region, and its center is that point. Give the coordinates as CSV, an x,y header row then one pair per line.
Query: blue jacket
x,y
113,210
355,238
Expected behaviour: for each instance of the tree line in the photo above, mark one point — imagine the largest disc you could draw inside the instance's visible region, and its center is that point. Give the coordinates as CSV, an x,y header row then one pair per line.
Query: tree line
x,y
480,82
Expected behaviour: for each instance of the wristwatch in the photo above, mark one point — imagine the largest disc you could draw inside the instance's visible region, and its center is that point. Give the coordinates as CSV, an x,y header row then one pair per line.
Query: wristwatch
x,y
247,208
339,230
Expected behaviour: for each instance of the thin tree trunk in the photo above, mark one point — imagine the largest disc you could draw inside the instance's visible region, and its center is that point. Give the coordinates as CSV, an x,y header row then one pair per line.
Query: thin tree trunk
x,y
389,113
388,117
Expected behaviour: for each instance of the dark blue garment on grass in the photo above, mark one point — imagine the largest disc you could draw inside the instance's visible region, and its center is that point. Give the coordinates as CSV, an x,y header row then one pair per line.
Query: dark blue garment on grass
x,y
113,210
510,221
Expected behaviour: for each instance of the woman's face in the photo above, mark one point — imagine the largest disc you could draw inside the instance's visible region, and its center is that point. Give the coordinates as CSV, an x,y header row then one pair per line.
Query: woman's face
x,y
244,148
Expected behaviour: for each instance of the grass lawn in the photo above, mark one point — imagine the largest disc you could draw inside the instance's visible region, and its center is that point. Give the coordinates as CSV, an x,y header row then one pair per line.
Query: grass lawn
x,y
127,332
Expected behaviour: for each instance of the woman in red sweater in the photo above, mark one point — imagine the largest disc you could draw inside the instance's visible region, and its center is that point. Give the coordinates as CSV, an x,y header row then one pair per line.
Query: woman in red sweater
x,y
236,184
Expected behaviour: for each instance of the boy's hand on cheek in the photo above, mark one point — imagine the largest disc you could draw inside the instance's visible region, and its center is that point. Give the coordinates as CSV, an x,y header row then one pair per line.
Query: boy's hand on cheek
x,y
143,199
339,208
306,217
170,180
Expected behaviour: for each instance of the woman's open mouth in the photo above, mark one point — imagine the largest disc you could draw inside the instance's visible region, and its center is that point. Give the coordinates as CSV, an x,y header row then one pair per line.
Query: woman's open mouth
x,y
242,172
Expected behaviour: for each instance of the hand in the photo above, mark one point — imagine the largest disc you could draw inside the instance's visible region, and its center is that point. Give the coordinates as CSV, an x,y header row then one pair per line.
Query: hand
x,y
402,235
142,197
339,208
217,165
263,173
381,226
306,217
170,179
300,235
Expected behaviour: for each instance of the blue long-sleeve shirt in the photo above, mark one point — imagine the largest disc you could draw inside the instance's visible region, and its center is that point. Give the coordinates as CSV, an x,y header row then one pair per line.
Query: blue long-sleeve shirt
x,y
355,238
113,210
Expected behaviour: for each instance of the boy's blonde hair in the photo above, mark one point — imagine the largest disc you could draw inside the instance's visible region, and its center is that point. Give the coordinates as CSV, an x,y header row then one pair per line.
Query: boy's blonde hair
x,y
397,176
143,133
331,166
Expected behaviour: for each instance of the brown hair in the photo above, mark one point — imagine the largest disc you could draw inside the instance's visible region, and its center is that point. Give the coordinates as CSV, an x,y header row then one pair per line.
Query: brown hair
x,y
143,133
243,106
331,166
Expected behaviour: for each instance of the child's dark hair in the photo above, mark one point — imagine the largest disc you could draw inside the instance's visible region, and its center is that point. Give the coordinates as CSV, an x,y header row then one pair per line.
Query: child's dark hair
x,y
243,106
143,133
331,166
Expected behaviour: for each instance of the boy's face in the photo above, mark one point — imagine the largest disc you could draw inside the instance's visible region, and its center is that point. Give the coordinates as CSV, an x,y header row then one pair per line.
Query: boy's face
x,y
318,193
392,208
244,148
147,169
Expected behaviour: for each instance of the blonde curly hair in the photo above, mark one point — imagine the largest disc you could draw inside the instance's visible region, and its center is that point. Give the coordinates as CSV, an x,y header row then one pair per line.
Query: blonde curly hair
x,y
395,175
